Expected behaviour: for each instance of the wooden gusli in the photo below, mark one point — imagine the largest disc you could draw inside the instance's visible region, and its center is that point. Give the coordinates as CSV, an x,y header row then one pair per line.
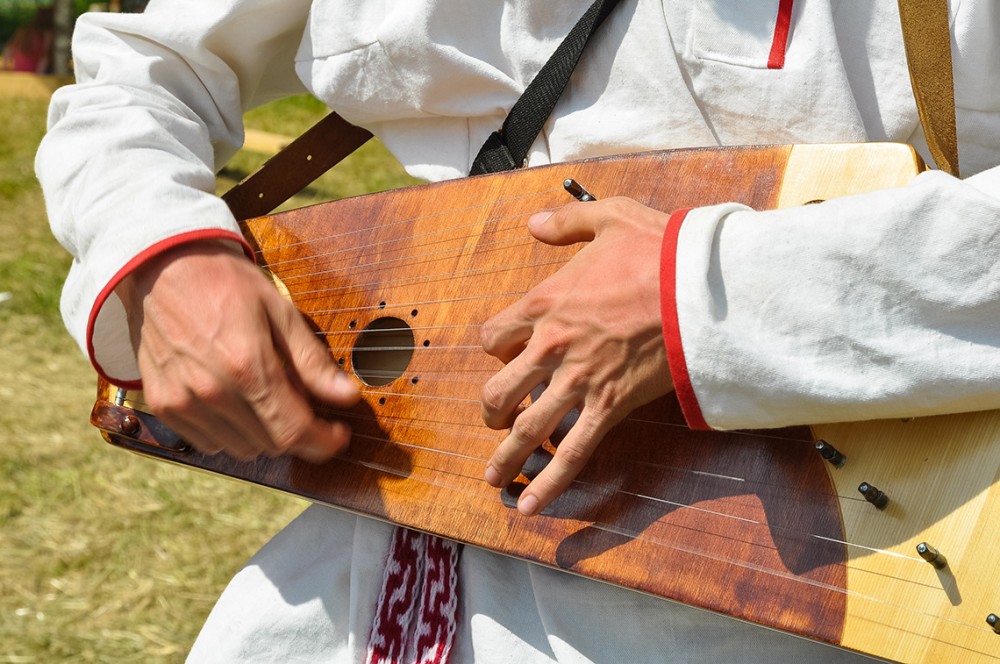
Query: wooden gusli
x,y
755,525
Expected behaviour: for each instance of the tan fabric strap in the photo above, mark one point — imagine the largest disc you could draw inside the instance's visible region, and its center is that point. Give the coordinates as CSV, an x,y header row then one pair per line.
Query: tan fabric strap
x,y
927,39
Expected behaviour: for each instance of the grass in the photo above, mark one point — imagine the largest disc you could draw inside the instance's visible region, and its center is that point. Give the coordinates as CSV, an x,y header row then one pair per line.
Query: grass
x,y
107,556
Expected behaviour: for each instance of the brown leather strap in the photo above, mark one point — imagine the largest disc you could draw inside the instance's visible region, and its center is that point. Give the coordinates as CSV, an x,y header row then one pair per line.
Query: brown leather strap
x,y
927,38
320,148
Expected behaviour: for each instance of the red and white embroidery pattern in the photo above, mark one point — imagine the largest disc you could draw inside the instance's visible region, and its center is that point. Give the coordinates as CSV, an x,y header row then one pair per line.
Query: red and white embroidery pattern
x,y
417,610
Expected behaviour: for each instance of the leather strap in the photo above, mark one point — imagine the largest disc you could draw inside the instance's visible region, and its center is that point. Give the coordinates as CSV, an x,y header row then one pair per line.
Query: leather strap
x,y
320,148
927,39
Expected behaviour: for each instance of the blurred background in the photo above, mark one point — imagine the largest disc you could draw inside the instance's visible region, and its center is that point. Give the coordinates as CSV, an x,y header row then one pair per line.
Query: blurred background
x,y
106,556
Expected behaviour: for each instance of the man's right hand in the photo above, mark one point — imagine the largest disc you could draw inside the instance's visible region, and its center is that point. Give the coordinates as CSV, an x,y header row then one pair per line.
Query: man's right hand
x,y
227,362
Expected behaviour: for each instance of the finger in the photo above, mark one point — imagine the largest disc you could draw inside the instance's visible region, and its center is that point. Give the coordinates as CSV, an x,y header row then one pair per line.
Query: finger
x,y
197,404
325,440
535,424
204,410
254,426
505,335
570,458
288,417
505,391
572,223
207,432
309,358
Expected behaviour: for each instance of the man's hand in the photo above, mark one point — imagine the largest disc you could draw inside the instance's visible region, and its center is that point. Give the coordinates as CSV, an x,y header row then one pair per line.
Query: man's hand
x,y
227,361
591,333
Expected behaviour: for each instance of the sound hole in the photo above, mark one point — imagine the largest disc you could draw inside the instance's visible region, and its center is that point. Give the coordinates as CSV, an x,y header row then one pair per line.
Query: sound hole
x,y
383,351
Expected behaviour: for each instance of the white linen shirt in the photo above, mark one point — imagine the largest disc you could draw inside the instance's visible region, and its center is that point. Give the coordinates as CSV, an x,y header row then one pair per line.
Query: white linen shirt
x,y
898,312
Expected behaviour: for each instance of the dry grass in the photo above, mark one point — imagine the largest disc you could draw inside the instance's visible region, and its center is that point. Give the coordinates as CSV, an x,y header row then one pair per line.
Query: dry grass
x,y
106,556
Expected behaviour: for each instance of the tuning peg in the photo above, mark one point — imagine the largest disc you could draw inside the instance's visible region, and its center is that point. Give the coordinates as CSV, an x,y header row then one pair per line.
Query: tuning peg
x,y
830,453
873,495
931,555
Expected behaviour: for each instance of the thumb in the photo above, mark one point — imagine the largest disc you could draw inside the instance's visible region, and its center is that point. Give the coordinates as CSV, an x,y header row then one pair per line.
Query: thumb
x,y
309,359
572,223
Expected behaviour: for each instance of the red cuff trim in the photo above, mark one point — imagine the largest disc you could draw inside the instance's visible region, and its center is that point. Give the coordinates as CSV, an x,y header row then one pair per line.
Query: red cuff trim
x,y
671,326
142,257
776,59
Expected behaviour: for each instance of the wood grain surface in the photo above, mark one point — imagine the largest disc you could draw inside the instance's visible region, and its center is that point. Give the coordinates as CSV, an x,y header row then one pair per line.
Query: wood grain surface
x,y
754,525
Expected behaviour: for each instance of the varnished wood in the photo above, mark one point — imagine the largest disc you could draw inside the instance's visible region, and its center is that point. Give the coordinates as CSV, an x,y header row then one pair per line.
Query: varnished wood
x,y
750,524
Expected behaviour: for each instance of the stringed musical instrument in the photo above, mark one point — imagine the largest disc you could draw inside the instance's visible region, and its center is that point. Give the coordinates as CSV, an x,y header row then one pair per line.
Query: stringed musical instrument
x,y
755,525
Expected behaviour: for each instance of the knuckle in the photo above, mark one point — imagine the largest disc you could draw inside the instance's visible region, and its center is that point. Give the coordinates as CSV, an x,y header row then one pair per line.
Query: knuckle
x,y
169,402
290,433
528,431
203,389
549,485
617,206
489,338
242,367
542,298
555,343
617,210
605,403
493,399
573,457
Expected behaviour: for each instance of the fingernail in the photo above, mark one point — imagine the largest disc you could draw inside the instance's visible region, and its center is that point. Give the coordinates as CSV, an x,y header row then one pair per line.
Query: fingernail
x,y
538,219
528,505
313,453
493,476
343,385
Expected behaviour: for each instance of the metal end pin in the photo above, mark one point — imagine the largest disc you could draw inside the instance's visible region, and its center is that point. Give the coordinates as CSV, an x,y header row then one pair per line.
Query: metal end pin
x,y
932,555
830,453
577,191
873,495
993,620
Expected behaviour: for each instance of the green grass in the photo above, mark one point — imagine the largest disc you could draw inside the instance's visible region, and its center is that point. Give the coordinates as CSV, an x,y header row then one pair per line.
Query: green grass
x,y
106,556
369,169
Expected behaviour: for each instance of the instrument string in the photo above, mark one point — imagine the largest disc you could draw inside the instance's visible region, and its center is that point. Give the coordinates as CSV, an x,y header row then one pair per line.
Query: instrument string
x,y
439,476
411,220
437,480
656,541
417,304
507,267
415,259
384,330
462,432
478,229
465,434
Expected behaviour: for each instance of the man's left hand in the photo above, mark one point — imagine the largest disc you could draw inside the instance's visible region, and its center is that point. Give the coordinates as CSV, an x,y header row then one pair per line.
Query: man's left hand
x,y
591,333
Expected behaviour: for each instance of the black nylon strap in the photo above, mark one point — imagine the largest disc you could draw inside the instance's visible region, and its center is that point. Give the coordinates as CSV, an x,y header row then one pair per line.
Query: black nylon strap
x,y
507,149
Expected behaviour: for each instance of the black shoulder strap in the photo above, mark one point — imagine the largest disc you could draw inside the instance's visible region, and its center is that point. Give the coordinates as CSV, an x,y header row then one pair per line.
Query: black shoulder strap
x,y
507,148
333,138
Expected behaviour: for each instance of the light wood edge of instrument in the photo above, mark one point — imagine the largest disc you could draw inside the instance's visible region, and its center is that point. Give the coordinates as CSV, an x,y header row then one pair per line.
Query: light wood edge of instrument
x,y
821,172
959,455
902,626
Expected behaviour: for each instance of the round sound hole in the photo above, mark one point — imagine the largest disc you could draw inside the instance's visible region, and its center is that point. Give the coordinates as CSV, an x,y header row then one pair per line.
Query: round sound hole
x,y
383,351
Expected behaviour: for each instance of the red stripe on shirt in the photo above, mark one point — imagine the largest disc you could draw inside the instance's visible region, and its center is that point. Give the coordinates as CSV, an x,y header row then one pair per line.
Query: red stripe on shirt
x,y
776,59
671,325
129,267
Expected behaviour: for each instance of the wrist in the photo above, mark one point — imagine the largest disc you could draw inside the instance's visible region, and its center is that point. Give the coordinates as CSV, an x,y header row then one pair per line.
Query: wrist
x,y
139,282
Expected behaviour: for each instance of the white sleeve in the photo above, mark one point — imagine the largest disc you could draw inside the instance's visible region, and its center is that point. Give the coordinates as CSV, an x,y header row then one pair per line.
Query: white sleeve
x,y
879,305
128,164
